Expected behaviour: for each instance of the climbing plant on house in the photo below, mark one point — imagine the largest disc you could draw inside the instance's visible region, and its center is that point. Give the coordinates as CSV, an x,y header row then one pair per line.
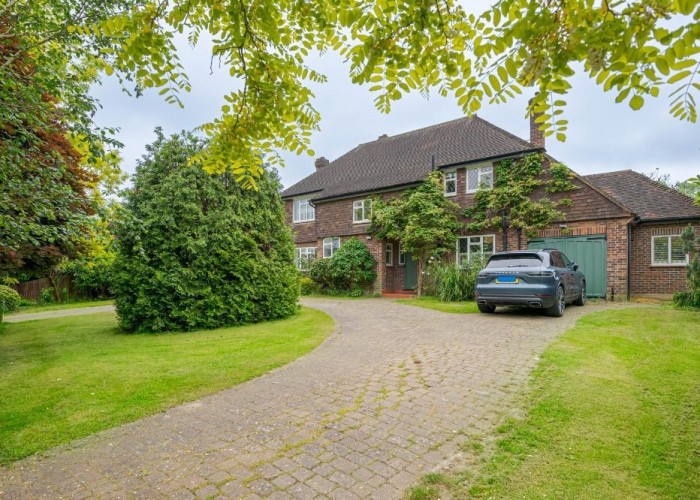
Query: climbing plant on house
x,y
422,220
521,196
691,245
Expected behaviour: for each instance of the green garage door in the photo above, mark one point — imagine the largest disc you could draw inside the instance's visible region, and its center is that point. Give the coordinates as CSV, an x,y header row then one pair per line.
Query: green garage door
x,y
589,252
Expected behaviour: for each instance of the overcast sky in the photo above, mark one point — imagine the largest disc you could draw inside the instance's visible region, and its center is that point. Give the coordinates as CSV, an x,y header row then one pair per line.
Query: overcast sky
x,y
602,136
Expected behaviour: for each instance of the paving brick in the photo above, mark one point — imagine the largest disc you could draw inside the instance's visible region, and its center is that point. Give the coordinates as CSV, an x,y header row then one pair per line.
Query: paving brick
x,y
358,416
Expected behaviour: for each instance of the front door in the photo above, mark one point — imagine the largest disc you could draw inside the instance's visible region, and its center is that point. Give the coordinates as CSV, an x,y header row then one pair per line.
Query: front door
x,y
410,276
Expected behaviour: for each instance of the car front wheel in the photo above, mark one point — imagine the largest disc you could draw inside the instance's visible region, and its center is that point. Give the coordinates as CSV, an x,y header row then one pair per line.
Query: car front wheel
x,y
557,310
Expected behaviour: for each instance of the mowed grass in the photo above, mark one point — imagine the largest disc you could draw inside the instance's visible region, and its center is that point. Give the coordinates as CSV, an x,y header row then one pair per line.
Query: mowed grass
x,y
613,412
62,306
439,305
66,378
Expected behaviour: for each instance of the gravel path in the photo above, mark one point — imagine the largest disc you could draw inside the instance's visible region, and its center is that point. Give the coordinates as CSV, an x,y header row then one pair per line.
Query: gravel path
x,y
387,398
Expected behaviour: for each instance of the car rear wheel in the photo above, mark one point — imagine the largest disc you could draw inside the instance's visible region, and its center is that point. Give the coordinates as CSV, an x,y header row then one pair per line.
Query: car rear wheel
x,y
581,300
485,308
557,310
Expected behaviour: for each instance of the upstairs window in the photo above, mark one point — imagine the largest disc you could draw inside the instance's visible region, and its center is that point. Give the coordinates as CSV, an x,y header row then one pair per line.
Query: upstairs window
x,y
304,257
451,183
304,210
361,210
330,245
668,251
479,178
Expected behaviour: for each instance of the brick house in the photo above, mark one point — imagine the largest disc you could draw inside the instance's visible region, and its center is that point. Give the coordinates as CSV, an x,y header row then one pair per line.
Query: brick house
x,y
622,229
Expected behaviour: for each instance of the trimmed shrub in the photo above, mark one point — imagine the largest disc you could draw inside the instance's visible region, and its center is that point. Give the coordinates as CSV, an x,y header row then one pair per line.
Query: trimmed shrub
x,y
196,250
92,279
351,269
450,283
47,296
9,300
308,287
687,298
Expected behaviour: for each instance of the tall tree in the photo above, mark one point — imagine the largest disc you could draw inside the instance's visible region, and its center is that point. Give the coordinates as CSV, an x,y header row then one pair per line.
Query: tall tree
x,y
45,200
521,196
422,220
196,250
635,48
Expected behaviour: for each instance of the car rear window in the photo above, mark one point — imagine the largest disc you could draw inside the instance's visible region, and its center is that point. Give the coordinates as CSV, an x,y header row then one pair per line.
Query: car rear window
x,y
524,260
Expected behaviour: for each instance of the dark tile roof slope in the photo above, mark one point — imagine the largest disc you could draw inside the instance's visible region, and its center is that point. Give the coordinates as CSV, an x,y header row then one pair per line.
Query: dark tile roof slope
x,y
406,158
648,199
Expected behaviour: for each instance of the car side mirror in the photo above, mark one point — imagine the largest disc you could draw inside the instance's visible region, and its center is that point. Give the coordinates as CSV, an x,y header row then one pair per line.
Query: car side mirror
x,y
574,267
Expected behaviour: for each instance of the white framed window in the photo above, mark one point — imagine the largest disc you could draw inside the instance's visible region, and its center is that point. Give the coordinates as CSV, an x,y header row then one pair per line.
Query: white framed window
x,y
389,254
479,178
402,256
470,247
304,257
668,251
361,210
330,245
451,183
304,210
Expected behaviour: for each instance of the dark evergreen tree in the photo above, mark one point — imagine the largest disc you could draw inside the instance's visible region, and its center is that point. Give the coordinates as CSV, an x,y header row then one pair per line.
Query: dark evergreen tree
x,y
196,250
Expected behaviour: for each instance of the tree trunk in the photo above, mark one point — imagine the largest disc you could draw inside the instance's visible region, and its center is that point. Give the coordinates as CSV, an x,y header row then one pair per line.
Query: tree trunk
x,y
55,279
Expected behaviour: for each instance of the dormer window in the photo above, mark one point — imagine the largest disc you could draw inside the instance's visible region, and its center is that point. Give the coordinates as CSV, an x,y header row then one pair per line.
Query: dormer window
x,y
451,183
304,210
479,178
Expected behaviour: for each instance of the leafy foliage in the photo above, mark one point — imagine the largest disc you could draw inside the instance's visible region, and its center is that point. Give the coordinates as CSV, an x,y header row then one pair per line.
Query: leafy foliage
x,y
92,278
635,48
307,285
199,251
9,300
349,270
422,220
451,283
520,193
691,246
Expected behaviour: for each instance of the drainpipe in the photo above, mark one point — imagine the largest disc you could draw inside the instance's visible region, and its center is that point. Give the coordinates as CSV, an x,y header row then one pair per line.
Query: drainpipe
x,y
635,220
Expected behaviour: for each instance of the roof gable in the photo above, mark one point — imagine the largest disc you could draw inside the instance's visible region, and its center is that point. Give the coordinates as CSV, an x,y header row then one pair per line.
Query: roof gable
x,y
406,158
648,199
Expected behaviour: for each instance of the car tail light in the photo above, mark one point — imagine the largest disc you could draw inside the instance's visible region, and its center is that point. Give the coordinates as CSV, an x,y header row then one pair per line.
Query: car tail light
x,y
542,274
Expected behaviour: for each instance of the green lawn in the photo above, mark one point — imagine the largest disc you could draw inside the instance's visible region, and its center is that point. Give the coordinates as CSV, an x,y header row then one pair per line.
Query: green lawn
x,y
59,307
439,305
69,377
613,412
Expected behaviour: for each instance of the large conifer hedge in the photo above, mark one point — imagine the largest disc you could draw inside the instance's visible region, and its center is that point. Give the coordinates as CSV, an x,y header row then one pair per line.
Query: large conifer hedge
x,y
197,250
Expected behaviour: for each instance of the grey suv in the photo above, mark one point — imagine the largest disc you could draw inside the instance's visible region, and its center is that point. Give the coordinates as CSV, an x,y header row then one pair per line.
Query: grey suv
x,y
543,279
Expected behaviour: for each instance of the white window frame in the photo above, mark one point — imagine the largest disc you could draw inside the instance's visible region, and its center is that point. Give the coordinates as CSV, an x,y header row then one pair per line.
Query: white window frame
x,y
329,244
307,214
304,255
402,256
452,177
481,172
669,257
366,207
480,238
389,254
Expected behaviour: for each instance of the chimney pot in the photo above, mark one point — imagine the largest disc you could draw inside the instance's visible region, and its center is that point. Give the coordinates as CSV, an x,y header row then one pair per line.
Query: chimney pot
x,y
383,136
536,134
321,162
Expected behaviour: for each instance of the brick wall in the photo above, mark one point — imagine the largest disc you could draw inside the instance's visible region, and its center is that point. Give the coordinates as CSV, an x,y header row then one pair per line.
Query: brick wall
x,y
648,279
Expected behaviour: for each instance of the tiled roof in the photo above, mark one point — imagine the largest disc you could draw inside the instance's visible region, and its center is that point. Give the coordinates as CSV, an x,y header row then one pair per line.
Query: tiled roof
x,y
406,158
648,199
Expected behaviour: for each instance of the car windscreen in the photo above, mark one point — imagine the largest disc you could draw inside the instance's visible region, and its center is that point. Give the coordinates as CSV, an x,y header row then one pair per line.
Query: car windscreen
x,y
523,260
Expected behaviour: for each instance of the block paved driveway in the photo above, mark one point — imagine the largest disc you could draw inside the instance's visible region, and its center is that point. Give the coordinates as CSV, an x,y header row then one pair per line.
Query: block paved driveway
x,y
384,400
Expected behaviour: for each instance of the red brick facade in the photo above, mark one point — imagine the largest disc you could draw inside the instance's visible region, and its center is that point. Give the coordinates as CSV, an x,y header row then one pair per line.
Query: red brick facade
x,y
592,213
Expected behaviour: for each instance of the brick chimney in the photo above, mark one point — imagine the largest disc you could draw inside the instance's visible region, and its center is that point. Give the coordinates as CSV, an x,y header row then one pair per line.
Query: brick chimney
x,y
536,135
321,162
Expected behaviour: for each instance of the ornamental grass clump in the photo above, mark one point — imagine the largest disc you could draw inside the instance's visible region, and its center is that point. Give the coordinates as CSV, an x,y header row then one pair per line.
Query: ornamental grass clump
x,y
451,283
196,250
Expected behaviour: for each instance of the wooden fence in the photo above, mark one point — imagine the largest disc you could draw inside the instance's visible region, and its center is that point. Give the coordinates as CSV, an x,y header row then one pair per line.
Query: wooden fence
x,y
31,290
